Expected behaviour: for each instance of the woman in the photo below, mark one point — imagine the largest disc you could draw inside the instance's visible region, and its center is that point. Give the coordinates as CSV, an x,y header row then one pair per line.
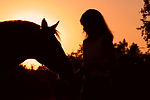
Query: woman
x,y
98,56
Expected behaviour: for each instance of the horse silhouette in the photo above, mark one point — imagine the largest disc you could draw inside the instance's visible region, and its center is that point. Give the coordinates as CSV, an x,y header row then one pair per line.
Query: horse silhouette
x,y
20,40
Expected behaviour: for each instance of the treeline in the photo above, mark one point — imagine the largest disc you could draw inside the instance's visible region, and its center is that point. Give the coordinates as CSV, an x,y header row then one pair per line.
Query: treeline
x,y
132,75
126,55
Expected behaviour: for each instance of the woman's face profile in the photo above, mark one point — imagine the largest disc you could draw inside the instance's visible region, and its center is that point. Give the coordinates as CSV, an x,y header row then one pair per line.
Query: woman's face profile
x,y
87,29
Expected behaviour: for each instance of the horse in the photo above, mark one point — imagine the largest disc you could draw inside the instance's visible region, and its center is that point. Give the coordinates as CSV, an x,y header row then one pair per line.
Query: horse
x,y
21,40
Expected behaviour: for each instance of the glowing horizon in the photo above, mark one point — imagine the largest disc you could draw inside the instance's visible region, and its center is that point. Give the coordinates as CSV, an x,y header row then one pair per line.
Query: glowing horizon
x,y
31,64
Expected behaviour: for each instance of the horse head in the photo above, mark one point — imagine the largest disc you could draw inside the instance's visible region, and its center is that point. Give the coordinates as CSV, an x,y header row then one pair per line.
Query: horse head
x,y
21,40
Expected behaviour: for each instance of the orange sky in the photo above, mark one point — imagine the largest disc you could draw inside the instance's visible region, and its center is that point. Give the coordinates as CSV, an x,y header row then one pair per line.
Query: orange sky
x,y
122,16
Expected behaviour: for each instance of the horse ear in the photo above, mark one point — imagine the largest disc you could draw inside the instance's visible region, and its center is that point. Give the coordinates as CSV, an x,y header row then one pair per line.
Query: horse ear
x,y
44,24
55,25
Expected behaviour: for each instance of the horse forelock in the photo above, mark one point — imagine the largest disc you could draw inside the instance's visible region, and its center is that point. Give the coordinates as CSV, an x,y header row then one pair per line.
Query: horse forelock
x,y
58,35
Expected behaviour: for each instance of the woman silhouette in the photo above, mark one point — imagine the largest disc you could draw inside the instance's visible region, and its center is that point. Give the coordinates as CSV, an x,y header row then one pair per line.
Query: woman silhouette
x,y
98,56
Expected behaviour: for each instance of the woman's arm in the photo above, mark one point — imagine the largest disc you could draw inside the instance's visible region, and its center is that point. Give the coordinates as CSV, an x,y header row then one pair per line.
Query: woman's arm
x,y
109,51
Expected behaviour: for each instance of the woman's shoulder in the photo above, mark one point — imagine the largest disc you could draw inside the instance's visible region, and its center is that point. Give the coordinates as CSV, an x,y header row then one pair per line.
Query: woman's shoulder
x,y
107,41
107,37
92,40
98,39
103,38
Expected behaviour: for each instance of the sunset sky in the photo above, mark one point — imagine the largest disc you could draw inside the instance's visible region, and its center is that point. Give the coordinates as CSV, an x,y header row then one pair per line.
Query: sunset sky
x,y
122,17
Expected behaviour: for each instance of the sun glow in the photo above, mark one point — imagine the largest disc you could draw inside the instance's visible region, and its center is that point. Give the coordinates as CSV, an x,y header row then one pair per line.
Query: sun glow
x,y
31,64
28,15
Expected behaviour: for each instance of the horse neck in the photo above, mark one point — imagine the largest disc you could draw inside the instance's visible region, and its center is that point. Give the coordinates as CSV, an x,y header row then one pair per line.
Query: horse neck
x,y
55,59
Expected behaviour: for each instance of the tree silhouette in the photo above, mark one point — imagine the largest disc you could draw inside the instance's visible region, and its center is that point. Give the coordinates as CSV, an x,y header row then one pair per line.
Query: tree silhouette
x,y
134,50
76,58
145,28
121,48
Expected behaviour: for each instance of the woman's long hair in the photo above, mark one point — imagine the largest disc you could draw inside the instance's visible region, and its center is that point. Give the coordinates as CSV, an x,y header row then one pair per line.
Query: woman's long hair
x,y
96,22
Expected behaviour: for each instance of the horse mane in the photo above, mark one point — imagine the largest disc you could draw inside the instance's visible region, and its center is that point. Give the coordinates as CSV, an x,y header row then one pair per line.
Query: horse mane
x,y
19,21
28,23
